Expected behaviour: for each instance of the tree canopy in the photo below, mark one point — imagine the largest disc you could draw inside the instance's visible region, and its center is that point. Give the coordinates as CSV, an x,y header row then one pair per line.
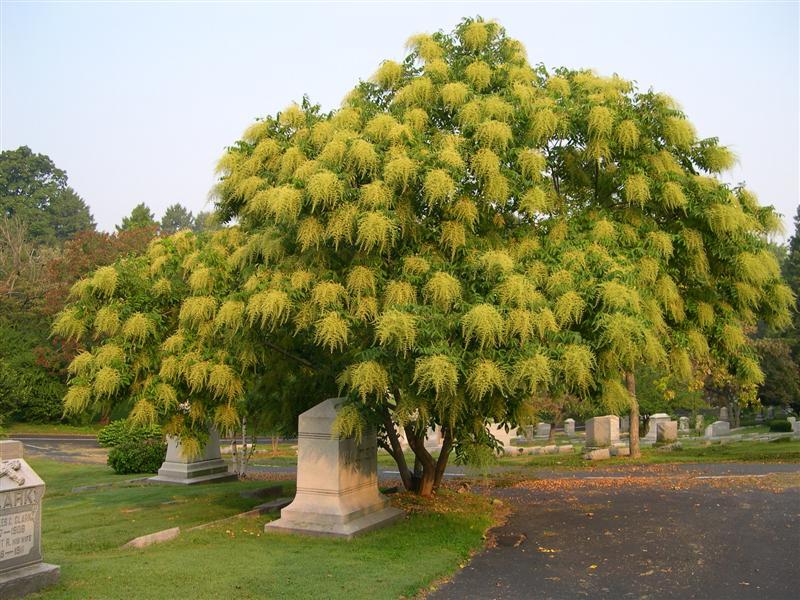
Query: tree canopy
x,y
466,238
35,191
141,216
176,218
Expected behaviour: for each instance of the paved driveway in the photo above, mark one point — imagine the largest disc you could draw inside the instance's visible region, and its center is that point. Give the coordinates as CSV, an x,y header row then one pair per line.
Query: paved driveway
x,y
709,533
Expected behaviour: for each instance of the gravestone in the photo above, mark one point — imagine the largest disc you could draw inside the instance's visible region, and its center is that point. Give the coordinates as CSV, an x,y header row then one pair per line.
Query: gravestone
x,y
337,480
602,431
504,437
652,429
699,423
717,429
667,431
22,571
208,467
625,424
569,427
723,414
794,423
683,424
770,412
542,431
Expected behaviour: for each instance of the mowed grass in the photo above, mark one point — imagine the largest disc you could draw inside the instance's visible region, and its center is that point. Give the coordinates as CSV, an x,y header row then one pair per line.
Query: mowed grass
x,y
83,533
774,451
50,428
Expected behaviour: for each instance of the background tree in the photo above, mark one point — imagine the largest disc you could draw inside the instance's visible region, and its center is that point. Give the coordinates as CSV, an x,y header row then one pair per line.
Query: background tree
x,y
35,191
141,216
176,218
781,385
206,222
466,235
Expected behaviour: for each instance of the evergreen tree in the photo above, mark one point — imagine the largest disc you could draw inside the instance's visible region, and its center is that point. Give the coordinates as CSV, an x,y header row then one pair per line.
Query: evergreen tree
x,y
176,218
468,239
35,191
141,216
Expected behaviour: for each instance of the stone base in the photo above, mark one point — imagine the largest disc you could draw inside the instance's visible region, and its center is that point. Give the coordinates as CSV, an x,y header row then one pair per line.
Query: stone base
x,y
206,471
333,525
27,580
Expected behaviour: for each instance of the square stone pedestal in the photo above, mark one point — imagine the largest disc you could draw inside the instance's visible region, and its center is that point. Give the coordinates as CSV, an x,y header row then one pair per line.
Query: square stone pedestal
x,y
22,571
602,431
337,481
206,468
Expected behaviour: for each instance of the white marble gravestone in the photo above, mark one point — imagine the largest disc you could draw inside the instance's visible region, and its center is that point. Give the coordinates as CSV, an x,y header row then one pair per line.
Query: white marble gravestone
x,y
723,413
683,424
652,429
501,435
569,427
22,571
337,480
206,468
602,431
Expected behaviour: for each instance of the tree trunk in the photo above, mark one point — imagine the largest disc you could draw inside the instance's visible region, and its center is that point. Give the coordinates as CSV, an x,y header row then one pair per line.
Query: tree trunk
x,y
425,484
396,450
441,463
633,440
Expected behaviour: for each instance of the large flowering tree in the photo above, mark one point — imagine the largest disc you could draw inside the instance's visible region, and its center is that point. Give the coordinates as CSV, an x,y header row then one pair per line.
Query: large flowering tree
x,y
467,235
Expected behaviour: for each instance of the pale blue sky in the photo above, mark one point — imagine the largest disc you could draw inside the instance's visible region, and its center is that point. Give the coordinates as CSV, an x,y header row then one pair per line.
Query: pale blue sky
x,y
138,100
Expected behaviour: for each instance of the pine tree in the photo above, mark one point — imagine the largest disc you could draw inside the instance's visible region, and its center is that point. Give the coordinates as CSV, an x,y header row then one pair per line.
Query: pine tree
x,y
467,235
176,218
141,216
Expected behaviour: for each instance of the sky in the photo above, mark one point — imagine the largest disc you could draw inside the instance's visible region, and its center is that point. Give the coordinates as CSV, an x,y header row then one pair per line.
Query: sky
x,y
138,100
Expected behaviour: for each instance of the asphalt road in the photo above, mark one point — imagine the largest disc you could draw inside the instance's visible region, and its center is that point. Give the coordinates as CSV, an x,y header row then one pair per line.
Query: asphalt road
x,y
719,533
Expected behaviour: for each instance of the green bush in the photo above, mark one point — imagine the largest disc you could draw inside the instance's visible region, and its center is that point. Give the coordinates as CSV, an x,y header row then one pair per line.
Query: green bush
x,y
123,431
780,426
140,456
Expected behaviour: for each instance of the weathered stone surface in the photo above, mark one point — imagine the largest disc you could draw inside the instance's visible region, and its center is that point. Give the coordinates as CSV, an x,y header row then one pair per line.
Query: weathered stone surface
x,y
620,451
28,580
667,431
699,423
206,468
625,424
500,433
542,431
144,541
21,493
723,414
683,424
569,427
551,449
652,430
717,429
795,424
337,481
602,431
599,454
566,449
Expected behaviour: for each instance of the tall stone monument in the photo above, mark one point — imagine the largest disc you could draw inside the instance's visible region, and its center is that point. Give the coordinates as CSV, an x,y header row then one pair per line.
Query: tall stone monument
x,y
206,468
337,480
569,427
22,571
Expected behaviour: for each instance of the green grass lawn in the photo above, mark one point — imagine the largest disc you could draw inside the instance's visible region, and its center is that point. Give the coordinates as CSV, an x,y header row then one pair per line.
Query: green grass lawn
x,y
787,451
83,533
50,428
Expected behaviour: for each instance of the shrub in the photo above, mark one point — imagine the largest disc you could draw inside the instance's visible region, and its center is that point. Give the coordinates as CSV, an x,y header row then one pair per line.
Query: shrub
x,y
780,426
139,456
123,431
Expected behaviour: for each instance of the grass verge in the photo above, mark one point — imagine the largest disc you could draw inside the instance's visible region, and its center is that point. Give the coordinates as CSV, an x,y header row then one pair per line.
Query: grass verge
x,y
83,532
